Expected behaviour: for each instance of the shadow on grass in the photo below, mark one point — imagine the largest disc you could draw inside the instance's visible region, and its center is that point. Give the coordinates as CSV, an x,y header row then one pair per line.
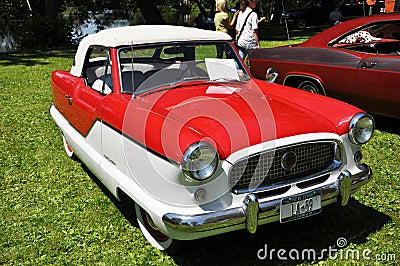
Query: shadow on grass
x,y
126,205
355,223
276,32
387,124
32,58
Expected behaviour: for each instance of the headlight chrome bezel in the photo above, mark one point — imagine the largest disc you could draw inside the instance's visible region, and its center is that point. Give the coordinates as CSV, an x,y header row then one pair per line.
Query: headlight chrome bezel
x,y
361,128
200,161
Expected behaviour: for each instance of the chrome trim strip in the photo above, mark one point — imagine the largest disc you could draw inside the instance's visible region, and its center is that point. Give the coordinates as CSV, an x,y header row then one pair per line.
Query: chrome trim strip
x,y
282,184
268,211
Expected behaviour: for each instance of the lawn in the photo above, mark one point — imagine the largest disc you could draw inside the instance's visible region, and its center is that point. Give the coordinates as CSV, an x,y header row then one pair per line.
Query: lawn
x,y
54,212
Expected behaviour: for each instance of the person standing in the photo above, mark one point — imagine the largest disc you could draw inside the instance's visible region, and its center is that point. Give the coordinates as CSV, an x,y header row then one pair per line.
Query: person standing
x,y
247,28
335,16
222,22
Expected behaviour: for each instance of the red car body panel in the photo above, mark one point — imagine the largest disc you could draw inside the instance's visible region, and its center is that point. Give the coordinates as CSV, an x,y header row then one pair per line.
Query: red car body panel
x,y
61,82
367,80
196,109
187,113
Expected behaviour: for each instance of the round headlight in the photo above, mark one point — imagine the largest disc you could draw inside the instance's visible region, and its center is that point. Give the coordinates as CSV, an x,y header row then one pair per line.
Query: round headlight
x,y
200,161
361,128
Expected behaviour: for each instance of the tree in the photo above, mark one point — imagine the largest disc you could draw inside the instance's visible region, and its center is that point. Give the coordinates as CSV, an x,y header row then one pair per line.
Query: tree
x,y
51,8
12,14
150,11
202,9
43,23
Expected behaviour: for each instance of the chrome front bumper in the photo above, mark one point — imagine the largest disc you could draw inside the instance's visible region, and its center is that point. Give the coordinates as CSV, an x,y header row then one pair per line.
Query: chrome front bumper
x,y
255,211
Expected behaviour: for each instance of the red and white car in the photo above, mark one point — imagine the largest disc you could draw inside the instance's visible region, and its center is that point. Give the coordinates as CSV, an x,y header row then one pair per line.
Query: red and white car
x,y
200,146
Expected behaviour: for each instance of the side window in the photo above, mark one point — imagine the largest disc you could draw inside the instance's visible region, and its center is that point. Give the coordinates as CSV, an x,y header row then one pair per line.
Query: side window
x,y
380,38
137,65
97,69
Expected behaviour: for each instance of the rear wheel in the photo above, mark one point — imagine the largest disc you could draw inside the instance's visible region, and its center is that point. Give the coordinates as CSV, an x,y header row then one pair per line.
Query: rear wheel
x,y
68,150
309,86
301,24
150,231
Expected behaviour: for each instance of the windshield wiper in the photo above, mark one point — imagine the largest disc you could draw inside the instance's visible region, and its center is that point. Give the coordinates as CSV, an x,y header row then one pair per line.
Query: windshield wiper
x,y
179,83
185,80
175,84
229,80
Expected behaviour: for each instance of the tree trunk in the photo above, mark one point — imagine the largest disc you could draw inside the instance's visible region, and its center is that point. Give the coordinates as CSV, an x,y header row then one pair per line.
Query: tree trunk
x,y
51,8
201,8
278,9
150,12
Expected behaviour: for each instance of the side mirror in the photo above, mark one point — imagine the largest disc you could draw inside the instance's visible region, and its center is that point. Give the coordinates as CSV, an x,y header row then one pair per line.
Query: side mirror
x,y
271,75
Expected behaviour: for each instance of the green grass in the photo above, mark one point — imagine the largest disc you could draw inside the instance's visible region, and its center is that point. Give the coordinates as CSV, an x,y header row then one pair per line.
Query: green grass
x,y
275,35
54,212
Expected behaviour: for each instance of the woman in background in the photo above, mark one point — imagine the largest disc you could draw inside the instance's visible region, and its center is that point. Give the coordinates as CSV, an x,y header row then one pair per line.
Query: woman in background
x,y
222,21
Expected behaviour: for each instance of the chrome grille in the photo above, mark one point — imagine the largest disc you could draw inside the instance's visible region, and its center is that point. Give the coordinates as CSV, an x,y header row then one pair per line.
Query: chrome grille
x,y
265,168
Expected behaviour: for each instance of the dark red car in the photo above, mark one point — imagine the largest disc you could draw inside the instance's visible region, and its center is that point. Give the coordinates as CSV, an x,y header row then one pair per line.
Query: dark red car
x,y
357,61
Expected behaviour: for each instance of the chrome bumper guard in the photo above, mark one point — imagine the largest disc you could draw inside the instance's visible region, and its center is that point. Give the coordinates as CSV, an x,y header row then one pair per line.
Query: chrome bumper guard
x,y
255,211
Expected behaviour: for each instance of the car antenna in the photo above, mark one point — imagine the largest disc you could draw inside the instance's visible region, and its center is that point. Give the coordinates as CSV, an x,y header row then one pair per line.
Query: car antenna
x,y
286,24
132,78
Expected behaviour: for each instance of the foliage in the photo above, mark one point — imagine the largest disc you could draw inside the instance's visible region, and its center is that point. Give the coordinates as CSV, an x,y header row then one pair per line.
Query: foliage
x,y
30,26
84,9
24,24
44,32
12,15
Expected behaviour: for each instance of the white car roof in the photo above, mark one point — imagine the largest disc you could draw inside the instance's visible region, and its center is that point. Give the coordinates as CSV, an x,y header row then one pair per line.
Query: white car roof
x,y
141,34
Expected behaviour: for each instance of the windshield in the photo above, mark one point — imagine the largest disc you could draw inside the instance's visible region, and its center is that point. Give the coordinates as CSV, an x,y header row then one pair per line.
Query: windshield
x,y
146,68
376,38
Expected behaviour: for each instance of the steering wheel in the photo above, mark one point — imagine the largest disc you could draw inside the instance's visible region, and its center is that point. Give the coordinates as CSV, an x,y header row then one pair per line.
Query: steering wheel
x,y
193,70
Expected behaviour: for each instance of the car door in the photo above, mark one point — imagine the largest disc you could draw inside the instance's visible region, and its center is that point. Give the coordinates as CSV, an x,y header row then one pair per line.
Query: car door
x,y
377,84
88,93
61,84
86,107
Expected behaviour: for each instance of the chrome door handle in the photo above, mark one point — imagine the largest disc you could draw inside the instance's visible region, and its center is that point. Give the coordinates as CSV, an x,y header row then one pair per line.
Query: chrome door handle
x,y
69,98
368,65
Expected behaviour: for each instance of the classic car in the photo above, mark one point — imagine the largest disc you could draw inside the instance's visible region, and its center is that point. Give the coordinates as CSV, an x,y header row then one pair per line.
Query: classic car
x,y
195,142
316,12
357,61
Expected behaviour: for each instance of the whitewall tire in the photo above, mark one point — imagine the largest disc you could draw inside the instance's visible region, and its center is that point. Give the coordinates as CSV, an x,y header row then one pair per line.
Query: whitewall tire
x,y
150,232
68,150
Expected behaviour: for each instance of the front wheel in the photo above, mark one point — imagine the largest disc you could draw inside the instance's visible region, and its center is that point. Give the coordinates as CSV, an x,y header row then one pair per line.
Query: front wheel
x,y
309,86
150,231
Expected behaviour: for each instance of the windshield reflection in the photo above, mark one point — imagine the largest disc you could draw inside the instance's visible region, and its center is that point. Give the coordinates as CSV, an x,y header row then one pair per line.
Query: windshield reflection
x,y
147,68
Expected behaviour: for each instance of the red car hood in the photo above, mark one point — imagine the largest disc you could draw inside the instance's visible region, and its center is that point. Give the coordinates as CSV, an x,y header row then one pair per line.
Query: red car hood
x,y
232,117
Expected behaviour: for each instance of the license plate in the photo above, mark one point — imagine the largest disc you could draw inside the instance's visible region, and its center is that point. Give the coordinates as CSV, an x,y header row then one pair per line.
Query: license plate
x,y
300,206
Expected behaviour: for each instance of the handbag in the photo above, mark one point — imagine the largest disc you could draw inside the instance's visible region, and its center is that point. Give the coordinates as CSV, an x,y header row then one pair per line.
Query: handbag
x,y
241,30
